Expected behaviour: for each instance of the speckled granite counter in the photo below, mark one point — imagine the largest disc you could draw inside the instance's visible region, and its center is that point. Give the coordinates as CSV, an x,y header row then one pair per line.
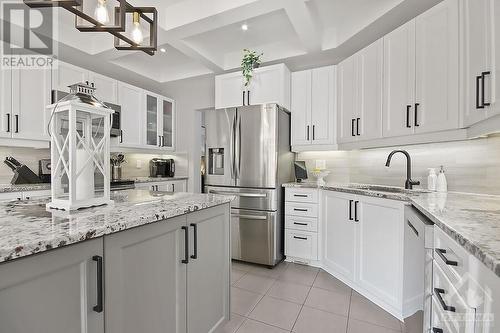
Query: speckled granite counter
x,y
158,179
8,188
26,227
472,220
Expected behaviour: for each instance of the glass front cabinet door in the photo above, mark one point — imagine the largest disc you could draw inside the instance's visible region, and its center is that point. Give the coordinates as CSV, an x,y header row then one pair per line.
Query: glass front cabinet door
x,y
160,122
168,121
152,121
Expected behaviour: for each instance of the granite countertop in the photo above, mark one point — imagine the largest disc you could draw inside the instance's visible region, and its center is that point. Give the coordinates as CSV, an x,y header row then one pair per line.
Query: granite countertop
x,y
472,220
27,228
158,179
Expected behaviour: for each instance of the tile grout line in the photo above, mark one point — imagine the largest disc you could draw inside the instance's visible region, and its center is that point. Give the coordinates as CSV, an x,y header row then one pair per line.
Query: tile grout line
x,y
348,313
302,307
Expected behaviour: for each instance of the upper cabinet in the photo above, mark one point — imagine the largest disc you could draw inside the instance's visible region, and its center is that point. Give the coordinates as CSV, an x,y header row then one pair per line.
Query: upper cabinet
x,y
159,120
482,59
5,102
131,122
65,75
270,84
421,73
313,107
106,88
359,97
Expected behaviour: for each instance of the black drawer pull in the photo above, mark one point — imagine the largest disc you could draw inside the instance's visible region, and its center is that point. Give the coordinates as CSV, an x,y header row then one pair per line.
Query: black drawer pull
x,y
186,245
412,228
100,303
350,210
356,211
478,87
17,123
300,195
437,330
300,209
298,223
438,292
357,126
416,115
483,76
440,253
301,238
195,235
408,125
8,122
352,127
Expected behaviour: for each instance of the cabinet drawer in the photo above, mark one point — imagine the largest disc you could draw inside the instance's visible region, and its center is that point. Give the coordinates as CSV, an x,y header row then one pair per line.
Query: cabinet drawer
x,y
301,195
450,312
301,223
301,244
450,256
301,209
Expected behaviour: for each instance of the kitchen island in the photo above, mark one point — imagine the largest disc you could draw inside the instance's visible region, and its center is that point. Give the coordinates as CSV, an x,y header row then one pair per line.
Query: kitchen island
x,y
134,266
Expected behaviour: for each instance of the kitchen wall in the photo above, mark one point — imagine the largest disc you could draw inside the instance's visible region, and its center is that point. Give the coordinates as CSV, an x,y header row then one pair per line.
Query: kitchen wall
x,y
471,166
28,156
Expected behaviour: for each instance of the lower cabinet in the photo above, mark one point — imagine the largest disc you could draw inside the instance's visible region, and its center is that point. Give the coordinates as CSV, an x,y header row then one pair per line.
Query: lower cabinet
x,y
167,186
52,292
363,245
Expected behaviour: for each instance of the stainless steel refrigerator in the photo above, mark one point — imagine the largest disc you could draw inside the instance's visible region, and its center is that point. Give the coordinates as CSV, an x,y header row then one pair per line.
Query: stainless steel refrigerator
x,y
248,155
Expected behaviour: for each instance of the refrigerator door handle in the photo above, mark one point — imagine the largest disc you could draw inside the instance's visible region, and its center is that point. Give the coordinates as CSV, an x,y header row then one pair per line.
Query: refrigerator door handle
x,y
237,155
238,194
232,146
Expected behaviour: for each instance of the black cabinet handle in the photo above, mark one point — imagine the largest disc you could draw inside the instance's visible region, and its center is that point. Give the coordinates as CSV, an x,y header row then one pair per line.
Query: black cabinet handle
x,y
483,76
412,227
314,132
121,136
301,238
243,98
300,195
350,209
478,84
408,108
8,122
195,245
416,115
100,304
440,253
307,132
248,97
298,223
17,123
186,245
357,126
356,211
300,209
352,127
437,330
173,187
438,292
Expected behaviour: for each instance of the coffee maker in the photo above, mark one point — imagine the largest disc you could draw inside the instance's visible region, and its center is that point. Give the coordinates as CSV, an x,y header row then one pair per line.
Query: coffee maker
x,y
162,167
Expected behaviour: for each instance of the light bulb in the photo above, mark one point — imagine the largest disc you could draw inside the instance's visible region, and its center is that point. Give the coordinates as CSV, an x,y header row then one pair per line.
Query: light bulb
x,y
137,36
101,12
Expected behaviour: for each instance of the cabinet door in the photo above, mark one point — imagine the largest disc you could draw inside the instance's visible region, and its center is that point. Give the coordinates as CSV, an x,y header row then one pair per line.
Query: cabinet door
x,y
145,279
229,90
301,108
322,107
106,87
339,233
492,82
269,85
131,100
5,102
52,292
346,97
30,96
381,235
399,81
65,75
208,270
370,65
168,123
179,185
153,118
478,47
437,70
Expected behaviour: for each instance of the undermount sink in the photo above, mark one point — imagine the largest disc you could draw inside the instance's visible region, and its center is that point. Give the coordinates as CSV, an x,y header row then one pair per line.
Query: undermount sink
x,y
383,188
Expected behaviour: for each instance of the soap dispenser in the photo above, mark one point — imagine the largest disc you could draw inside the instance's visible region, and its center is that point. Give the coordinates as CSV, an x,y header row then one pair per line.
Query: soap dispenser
x,y
432,180
442,184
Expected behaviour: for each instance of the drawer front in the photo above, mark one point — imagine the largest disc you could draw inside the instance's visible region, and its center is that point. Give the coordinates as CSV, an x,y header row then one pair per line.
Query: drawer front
x,y
301,195
449,308
301,244
450,256
301,209
301,223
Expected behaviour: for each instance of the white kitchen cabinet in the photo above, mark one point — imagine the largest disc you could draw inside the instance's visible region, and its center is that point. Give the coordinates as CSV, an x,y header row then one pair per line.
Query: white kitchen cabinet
x,y
167,124
270,84
31,94
313,107
165,185
159,117
436,106
360,110
339,234
106,87
52,292
399,81
131,118
65,74
5,102
482,59
146,278
208,271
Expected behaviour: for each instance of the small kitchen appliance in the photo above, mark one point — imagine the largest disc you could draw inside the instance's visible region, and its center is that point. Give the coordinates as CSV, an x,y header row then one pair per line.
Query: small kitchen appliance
x,y
44,167
22,174
162,167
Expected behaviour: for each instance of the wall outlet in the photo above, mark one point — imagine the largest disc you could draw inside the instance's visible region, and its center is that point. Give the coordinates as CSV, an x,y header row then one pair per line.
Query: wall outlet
x,y
138,164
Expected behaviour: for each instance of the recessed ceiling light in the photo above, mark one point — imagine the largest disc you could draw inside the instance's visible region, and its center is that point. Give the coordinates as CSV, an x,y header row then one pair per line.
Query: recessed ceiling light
x,y
163,50
244,27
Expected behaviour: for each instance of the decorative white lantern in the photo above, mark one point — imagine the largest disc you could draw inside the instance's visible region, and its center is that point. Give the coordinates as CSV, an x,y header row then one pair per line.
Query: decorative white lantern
x,y
80,132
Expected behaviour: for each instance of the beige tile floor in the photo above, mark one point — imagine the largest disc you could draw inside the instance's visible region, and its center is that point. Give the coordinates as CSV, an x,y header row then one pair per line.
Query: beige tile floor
x,y
300,299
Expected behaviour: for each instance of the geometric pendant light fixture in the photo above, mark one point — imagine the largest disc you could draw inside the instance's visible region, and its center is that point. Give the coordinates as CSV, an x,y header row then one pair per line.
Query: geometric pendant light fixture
x,y
141,30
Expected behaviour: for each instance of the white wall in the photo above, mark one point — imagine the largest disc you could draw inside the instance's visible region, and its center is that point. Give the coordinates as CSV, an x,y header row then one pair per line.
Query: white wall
x,y
191,95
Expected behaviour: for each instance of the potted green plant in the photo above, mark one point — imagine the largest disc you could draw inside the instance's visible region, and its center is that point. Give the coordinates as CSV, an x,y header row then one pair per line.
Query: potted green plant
x,y
250,61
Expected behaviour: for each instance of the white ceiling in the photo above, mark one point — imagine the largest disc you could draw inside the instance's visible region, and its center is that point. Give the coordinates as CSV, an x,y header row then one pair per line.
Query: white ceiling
x,y
205,37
